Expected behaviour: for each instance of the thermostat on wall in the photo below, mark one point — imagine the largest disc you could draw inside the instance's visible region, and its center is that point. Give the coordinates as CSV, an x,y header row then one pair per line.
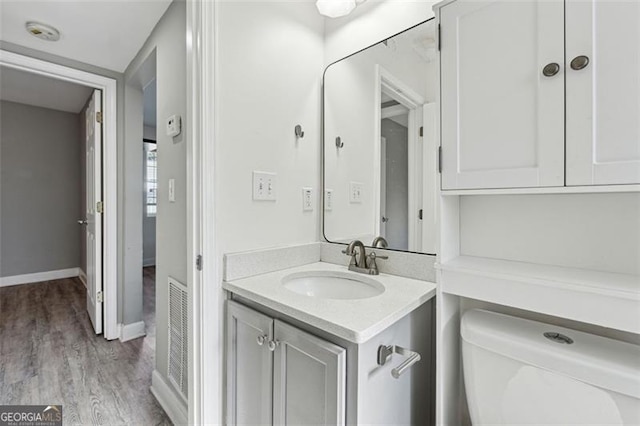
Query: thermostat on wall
x,y
174,125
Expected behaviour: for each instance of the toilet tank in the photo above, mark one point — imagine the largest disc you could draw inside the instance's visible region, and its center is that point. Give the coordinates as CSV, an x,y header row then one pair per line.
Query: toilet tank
x,y
518,371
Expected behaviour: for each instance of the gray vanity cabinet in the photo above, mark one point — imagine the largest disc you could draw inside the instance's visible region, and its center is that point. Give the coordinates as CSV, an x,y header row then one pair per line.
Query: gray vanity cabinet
x,y
309,379
279,374
249,366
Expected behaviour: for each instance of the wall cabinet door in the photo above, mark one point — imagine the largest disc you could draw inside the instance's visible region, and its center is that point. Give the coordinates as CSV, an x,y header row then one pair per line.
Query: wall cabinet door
x,y
309,379
502,119
603,95
249,366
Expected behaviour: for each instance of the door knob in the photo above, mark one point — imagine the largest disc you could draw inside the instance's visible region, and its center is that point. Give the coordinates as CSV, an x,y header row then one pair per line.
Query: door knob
x,y
82,222
551,69
579,62
261,340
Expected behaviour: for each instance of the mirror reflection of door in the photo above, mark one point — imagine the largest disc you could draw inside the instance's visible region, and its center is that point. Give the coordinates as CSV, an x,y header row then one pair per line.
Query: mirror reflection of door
x,y
394,182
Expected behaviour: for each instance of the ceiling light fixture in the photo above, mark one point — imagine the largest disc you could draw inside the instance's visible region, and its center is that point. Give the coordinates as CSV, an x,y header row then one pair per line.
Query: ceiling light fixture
x,y
42,31
337,8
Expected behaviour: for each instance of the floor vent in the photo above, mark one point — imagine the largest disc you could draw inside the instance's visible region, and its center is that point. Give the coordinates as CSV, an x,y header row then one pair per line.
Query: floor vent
x,y
178,337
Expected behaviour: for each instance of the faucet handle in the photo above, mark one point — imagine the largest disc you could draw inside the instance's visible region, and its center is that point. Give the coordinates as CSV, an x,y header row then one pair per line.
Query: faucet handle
x,y
374,255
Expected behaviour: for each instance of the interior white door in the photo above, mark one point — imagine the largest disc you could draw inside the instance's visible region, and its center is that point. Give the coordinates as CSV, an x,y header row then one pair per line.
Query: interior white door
x,y
93,140
603,92
502,119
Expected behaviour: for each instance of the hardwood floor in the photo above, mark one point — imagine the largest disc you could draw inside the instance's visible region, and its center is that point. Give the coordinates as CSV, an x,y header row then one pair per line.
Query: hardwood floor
x,y
49,354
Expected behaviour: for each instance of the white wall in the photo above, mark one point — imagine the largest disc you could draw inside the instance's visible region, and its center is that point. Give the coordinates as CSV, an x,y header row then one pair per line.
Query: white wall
x,y
268,76
372,22
588,231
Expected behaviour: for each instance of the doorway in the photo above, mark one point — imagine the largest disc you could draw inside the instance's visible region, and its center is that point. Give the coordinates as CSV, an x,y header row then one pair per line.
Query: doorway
x,y
103,298
398,162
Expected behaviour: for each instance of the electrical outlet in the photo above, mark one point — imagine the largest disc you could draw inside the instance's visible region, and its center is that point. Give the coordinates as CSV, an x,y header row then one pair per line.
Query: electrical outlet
x,y
355,192
307,199
328,199
264,186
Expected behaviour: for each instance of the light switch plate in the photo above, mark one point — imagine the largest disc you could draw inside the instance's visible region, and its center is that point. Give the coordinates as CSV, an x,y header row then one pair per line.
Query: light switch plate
x,y
174,125
328,199
307,199
265,186
355,192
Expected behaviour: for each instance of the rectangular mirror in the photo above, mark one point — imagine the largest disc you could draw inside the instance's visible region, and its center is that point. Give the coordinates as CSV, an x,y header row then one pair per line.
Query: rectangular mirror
x,y
380,152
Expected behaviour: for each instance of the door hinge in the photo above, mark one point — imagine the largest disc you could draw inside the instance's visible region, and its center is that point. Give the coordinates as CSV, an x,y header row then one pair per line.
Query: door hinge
x,y
199,262
99,117
421,131
99,297
440,159
100,207
439,38
420,214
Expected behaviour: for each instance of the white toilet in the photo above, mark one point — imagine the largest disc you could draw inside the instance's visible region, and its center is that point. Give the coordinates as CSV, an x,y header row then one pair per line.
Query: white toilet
x,y
518,371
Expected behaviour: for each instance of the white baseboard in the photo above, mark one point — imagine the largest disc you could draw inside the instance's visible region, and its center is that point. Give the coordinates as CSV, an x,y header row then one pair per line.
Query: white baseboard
x,y
172,404
39,277
149,262
82,276
132,331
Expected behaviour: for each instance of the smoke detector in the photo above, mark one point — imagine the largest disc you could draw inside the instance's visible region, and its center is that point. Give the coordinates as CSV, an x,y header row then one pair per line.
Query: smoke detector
x,y
42,31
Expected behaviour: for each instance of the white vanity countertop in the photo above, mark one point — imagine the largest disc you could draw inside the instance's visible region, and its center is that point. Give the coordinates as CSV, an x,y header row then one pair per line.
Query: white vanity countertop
x,y
354,320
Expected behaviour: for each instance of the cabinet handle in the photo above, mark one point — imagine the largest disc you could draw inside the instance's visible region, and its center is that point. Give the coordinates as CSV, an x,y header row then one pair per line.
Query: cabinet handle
x,y
261,340
551,69
579,62
273,344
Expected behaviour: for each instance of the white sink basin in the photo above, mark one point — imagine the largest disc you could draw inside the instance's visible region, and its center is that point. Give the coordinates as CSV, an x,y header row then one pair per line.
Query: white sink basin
x,y
332,285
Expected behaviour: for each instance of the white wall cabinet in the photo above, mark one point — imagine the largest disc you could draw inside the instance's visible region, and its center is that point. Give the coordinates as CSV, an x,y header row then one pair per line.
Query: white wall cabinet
x,y
603,98
279,374
504,73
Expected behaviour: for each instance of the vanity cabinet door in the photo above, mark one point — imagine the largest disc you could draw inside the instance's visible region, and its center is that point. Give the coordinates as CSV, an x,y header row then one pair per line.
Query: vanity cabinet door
x,y
502,117
309,379
603,92
249,366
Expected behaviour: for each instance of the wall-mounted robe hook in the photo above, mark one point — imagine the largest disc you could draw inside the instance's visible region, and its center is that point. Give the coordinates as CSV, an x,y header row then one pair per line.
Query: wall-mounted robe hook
x,y
298,131
339,143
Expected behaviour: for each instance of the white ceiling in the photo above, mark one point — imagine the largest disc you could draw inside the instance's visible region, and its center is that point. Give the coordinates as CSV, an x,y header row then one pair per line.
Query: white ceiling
x,y
105,33
33,89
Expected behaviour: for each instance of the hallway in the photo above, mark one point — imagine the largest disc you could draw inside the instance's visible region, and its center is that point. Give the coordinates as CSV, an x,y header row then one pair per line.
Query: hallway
x,y
49,354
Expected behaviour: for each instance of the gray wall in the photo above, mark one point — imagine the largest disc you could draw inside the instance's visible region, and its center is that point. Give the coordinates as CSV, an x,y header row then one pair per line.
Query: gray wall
x,y
39,189
168,39
397,194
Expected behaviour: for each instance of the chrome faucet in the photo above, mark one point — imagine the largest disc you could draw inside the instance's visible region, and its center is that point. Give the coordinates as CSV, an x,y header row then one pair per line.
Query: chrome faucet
x,y
359,258
379,242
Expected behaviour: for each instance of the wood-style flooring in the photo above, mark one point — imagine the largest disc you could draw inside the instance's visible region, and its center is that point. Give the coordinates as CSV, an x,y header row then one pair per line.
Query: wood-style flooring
x,y
49,354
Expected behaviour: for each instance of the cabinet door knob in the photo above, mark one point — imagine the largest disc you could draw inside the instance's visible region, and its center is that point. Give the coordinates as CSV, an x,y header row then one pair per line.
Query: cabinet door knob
x,y
579,62
261,340
273,344
551,69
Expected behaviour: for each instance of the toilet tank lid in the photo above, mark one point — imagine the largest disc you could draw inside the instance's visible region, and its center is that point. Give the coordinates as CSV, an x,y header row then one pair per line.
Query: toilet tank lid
x,y
603,362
